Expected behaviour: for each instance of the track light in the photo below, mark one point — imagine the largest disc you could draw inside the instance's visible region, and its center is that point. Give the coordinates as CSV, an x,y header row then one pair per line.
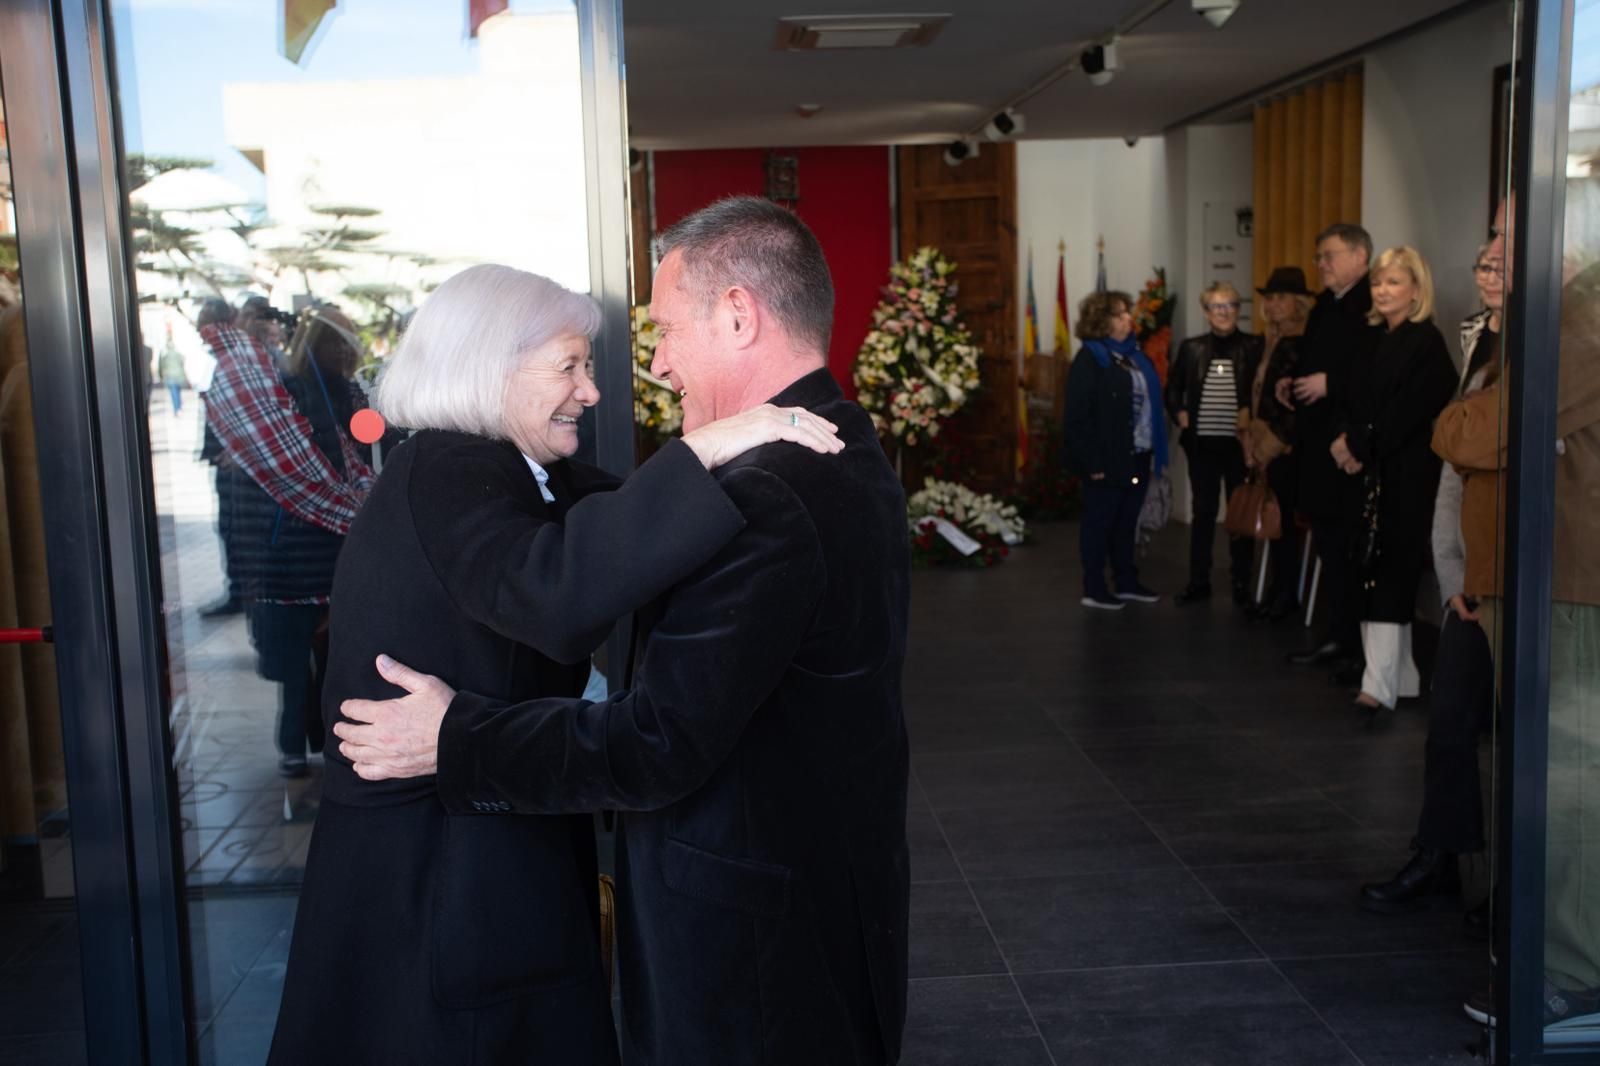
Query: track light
x,y
1216,12
959,152
1007,123
1100,63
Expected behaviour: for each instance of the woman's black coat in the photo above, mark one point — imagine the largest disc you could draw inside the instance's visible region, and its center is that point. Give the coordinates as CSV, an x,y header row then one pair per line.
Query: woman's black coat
x,y
1390,430
1097,425
427,937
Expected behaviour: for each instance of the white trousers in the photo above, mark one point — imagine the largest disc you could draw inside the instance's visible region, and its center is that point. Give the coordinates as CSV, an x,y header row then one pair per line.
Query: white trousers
x,y
1391,673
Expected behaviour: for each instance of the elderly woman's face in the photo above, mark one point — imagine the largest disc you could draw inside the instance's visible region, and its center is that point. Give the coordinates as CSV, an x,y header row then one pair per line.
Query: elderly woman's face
x,y
1121,322
547,394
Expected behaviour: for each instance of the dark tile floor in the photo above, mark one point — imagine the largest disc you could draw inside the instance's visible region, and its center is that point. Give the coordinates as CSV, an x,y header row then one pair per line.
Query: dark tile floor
x,y
1136,838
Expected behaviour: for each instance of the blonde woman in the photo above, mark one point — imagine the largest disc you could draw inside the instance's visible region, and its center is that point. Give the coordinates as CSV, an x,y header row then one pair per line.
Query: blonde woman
x,y
1385,442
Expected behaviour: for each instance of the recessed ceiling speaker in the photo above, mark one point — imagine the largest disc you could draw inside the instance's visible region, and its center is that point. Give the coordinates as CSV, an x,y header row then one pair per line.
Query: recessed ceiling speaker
x,y
1216,12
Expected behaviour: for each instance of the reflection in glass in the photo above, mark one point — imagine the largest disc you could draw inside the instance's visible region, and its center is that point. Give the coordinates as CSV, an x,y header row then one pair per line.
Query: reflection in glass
x,y
1572,862
299,178
39,960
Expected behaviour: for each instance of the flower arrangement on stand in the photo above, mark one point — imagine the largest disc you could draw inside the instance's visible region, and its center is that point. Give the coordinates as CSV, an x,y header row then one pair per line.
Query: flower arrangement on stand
x,y
1152,318
918,365
991,526
657,412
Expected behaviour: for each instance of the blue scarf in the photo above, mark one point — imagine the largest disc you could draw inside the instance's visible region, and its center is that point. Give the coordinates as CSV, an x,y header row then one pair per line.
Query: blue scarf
x,y
1102,349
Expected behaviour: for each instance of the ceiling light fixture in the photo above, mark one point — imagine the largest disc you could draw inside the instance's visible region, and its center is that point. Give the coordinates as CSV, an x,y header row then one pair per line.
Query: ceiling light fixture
x,y
1216,12
958,152
1101,63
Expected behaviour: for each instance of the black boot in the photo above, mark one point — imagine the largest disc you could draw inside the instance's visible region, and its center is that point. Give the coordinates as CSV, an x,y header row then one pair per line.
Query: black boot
x,y
1429,873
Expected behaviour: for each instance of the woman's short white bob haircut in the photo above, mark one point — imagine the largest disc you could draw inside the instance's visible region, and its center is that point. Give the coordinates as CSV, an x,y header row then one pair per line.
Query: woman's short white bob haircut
x,y
472,333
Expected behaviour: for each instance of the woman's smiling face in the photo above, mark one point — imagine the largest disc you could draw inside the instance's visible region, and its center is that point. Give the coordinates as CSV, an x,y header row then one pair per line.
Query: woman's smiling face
x,y
547,394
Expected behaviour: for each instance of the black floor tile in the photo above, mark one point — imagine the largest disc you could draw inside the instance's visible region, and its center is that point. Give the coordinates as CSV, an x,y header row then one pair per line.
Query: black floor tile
x,y
1295,826
1045,776
949,937
969,1021
1230,1015
47,1049
24,929
1309,909
37,1000
1141,917
977,728
1151,771
1028,841
1396,1010
930,856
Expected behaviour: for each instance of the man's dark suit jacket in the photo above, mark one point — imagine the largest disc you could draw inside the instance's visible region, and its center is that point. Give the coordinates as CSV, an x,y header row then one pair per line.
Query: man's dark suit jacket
x,y
1338,342
761,756
426,938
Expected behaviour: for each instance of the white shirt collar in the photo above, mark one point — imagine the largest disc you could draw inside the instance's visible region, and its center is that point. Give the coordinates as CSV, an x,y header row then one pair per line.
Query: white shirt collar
x,y
542,476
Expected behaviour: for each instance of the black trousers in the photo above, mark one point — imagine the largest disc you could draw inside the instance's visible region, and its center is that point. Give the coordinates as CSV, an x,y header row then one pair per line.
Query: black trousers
x,y
1283,554
1109,527
1461,701
1214,462
1340,586
285,639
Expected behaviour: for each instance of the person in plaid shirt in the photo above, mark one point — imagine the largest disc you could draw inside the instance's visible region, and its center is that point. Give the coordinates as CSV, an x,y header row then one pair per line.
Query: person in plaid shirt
x,y
252,413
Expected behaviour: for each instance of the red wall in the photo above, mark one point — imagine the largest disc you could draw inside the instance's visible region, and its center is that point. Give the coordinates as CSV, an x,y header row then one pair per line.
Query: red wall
x,y
844,198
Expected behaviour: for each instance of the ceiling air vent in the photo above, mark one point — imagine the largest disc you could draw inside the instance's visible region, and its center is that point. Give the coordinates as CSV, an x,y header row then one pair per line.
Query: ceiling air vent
x,y
805,33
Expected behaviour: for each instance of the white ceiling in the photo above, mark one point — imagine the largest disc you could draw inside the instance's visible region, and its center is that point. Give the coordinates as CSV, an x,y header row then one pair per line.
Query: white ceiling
x,y
704,74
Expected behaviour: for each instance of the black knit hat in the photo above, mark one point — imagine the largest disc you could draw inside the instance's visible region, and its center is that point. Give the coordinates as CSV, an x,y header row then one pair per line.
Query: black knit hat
x,y
1291,280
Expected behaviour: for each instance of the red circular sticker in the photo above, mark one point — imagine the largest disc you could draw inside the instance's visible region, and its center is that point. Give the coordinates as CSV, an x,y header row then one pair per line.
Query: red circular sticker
x,y
367,426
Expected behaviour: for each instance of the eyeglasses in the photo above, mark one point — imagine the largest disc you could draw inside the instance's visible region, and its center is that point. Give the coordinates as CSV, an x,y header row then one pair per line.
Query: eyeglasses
x,y
1229,305
1498,269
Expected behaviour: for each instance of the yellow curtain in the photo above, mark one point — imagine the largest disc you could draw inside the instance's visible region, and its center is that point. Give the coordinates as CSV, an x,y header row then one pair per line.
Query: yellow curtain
x,y
32,765
1307,172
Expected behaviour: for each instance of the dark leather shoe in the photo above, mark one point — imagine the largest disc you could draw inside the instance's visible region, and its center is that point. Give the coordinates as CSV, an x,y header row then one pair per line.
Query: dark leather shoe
x,y
1429,873
1325,653
1192,594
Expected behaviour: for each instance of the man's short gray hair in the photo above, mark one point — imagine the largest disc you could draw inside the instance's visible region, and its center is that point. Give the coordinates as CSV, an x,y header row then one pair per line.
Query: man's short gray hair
x,y
1351,234
756,245
457,356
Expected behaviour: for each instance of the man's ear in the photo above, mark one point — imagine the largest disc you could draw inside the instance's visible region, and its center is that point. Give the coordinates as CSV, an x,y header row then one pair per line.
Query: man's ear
x,y
743,316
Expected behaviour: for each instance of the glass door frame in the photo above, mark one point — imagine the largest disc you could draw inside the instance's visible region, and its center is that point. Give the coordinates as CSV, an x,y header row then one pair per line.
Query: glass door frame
x,y
1539,166
59,83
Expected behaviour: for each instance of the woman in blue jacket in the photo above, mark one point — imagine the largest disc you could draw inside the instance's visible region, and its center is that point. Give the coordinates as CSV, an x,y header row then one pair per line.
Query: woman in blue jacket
x,y
1116,441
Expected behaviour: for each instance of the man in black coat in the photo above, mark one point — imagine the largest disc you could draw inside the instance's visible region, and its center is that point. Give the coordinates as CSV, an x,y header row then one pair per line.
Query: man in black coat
x,y
1336,353
760,751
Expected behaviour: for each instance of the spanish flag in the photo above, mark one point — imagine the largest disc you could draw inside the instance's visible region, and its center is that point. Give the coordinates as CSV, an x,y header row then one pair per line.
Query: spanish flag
x,y
1063,330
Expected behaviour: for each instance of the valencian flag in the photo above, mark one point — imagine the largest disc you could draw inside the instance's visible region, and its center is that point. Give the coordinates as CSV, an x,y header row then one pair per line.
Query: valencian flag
x,y
1063,328
1030,345
479,11
301,20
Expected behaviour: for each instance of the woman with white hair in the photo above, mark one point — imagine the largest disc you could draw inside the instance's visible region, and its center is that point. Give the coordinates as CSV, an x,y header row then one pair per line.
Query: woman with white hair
x,y
1387,442
486,556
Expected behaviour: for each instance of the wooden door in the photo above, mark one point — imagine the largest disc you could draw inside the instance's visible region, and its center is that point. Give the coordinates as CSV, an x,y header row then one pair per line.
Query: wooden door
x,y
969,213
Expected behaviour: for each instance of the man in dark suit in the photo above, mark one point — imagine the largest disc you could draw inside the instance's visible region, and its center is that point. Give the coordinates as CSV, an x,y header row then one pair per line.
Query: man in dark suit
x,y
1336,349
759,753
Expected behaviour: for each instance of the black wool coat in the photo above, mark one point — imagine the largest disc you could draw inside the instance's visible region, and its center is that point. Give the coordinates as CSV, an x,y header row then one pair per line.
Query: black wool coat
x,y
760,759
423,937
1186,380
1390,430
1338,342
1097,423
